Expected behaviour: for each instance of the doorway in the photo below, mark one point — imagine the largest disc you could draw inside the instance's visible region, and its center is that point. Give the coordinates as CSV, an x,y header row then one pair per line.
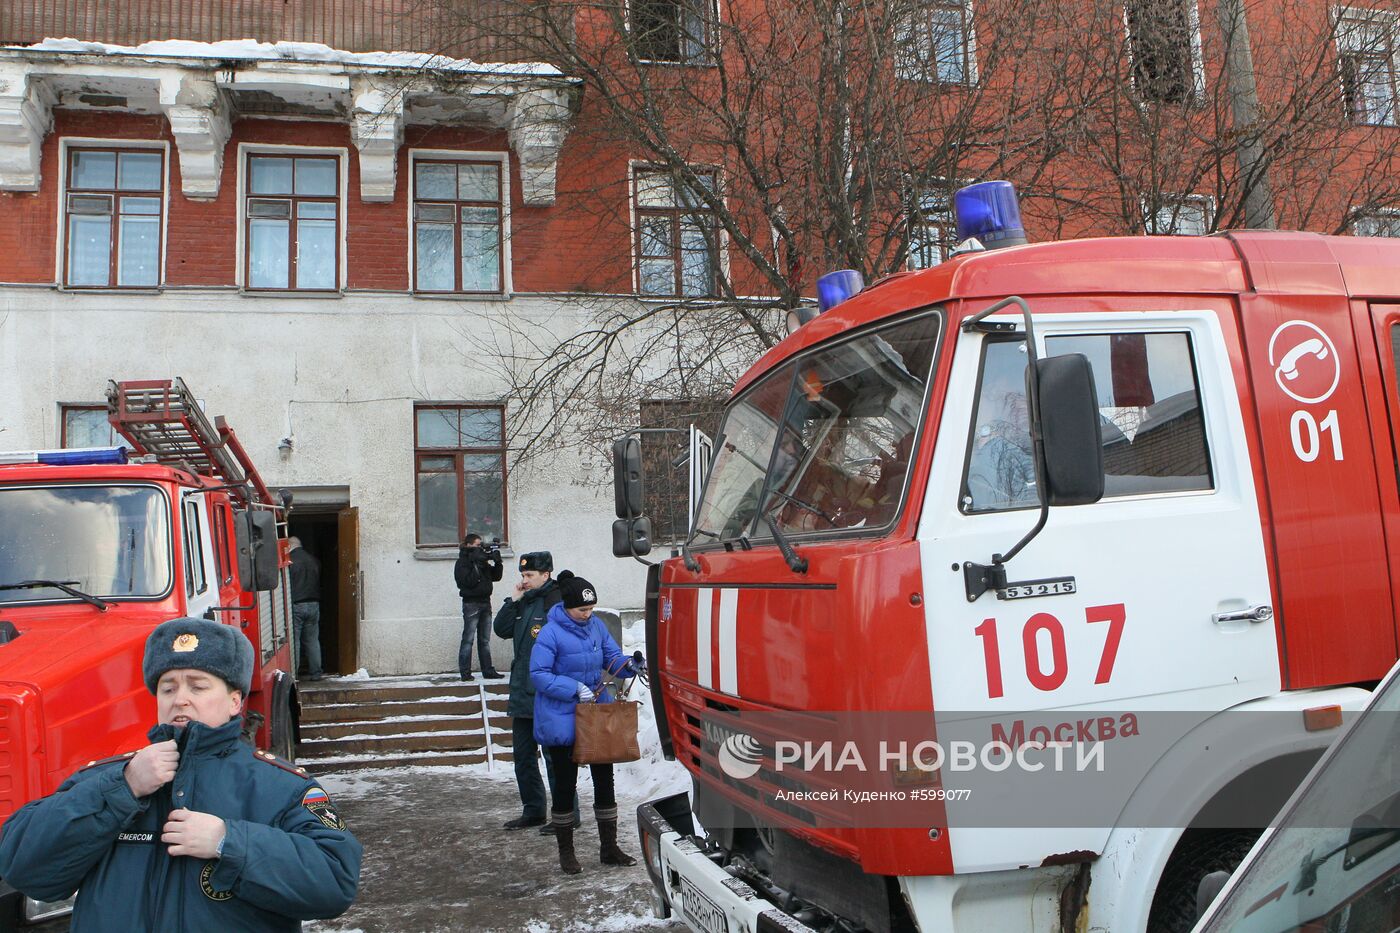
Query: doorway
x,y
329,531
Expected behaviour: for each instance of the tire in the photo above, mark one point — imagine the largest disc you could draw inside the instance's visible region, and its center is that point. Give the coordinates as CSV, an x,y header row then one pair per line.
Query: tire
x,y
284,722
1200,852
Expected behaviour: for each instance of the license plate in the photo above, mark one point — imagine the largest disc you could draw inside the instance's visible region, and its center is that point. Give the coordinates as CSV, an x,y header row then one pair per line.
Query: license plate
x,y
701,911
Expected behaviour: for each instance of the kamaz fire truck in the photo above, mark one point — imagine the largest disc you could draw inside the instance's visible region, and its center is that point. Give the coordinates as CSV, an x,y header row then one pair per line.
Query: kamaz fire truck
x,y
100,545
1071,483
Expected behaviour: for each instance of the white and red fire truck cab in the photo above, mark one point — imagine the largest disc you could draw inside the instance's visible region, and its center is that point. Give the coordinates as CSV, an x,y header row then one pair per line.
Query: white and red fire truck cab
x,y
1241,558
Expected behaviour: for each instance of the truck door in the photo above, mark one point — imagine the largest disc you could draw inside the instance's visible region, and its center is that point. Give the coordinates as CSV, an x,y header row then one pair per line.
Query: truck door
x,y
1334,609
1384,398
1154,570
201,575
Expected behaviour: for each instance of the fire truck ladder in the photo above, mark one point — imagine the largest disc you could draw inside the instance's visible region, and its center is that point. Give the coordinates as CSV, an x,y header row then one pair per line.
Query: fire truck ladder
x,y
162,419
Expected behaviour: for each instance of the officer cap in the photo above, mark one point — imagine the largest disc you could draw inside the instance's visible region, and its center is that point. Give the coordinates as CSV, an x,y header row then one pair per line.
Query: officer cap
x,y
542,561
201,645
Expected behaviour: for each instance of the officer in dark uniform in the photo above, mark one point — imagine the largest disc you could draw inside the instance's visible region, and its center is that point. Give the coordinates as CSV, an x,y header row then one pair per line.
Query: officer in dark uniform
x,y
520,619
196,831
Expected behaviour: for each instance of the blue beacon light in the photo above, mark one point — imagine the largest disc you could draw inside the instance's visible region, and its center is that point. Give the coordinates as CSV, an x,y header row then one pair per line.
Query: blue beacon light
x,y
71,456
990,212
836,287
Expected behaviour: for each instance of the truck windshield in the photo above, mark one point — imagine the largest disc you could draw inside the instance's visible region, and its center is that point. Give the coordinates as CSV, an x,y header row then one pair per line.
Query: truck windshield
x,y
1333,864
824,442
108,541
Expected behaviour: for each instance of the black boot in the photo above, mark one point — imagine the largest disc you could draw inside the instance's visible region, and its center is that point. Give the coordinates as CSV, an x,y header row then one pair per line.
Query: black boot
x,y
608,852
564,835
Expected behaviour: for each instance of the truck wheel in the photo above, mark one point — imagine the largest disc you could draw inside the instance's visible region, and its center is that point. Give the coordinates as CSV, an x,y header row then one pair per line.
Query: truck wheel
x,y
1200,852
284,725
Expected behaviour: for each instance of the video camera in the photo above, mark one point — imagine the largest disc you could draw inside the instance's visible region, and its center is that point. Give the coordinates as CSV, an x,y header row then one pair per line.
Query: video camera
x,y
492,548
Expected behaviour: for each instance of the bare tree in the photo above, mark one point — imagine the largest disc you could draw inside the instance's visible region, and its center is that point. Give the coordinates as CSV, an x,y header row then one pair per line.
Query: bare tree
x,y
792,137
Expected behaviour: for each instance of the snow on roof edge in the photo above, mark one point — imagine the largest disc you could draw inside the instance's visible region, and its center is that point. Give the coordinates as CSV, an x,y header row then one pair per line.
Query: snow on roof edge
x,y
303,52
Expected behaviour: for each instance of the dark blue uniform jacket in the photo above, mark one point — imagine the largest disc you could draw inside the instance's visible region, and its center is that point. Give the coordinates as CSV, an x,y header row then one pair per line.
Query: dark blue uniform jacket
x,y
287,855
567,654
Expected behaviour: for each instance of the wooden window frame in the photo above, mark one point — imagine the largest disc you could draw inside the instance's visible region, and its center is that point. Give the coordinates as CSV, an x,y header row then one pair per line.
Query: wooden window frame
x,y
1194,79
64,409
676,214
457,454
457,206
70,152
248,196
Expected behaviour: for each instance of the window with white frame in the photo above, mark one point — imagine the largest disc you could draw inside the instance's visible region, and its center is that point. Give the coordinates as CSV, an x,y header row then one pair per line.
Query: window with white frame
x,y
677,239
112,217
1366,58
932,232
1184,215
1384,222
292,222
680,31
1164,45
457,240
933,42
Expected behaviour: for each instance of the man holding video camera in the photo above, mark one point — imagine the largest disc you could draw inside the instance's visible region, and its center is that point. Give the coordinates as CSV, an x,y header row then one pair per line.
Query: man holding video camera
x,y
478,566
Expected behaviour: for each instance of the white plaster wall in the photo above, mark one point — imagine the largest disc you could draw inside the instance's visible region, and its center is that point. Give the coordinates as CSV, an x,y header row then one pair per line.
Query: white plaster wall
x,y
342,375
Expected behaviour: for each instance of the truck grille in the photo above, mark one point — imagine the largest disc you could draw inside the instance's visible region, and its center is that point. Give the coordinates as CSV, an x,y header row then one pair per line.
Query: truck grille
x,y
758,792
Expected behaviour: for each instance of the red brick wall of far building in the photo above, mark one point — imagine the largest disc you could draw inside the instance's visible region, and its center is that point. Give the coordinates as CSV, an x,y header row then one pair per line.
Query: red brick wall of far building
x,y
572,245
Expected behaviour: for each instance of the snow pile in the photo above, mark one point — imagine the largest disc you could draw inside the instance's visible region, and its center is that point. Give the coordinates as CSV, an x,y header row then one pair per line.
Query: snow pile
x,y
361,674
252,50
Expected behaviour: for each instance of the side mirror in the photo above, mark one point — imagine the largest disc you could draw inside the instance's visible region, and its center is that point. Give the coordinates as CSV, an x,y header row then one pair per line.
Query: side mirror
x,y
631,537
1071,430
258,558
627,477
1208,890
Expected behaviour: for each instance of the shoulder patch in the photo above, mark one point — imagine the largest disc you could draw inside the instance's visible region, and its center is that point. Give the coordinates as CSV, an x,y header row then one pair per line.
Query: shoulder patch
x,y
99,762
319,803
272,759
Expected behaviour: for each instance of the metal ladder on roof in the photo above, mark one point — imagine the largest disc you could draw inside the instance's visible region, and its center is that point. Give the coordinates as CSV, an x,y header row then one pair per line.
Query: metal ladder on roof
x,y
162,419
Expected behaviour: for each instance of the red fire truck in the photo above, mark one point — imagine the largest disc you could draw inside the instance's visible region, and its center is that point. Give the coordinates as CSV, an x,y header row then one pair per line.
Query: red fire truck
x,y
1060,480
97,547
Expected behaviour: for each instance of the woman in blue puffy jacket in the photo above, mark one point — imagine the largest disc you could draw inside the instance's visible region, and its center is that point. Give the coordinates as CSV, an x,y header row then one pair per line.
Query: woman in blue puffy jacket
x,y
566,667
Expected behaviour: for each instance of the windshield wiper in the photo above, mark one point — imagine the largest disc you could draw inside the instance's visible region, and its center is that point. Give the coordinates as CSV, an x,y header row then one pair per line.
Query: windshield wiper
x,y
831,520
796,563
57,585
1307,873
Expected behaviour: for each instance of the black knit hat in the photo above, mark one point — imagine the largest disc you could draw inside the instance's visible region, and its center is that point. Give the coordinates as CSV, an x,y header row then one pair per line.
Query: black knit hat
x,y
201,645
575,590
542,561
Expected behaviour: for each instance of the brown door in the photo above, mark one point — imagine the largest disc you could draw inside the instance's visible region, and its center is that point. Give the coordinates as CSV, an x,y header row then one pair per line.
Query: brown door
x,y
348,623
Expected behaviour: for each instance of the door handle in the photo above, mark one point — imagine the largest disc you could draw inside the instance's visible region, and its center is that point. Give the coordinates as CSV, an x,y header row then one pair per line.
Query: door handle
x,y
1253,614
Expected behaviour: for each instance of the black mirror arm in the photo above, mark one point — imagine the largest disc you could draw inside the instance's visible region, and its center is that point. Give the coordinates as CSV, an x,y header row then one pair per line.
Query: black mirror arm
x,y
1033,400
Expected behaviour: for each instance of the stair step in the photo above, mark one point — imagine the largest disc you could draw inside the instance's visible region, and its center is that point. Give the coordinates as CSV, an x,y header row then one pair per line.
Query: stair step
x,y
371,692
425,725
345,763
396,743
349,712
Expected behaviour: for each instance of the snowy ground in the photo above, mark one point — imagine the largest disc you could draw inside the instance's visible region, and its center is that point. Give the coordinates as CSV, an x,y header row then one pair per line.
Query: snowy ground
x,y
436,857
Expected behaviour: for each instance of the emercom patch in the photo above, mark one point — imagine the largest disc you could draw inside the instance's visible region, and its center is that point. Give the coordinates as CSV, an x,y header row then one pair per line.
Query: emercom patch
x,y
319,803
205,885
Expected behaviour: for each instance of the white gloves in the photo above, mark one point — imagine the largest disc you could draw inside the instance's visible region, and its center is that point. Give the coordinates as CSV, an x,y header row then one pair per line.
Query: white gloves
x,y
584,694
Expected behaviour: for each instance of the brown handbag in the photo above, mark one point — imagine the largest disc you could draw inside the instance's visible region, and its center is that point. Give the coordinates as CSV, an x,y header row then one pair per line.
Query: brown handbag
x,y
606,733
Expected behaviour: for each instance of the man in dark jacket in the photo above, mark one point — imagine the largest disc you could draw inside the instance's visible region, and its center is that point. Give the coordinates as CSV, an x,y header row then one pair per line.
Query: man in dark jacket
x,y
305,578
477,568
520,619
196,831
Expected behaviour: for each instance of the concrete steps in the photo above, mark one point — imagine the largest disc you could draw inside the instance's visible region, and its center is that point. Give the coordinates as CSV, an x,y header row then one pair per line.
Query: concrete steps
x,y
392,722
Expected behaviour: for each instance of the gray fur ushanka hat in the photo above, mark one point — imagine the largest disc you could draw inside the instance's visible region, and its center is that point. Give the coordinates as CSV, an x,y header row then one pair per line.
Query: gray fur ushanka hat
x,y
200,645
